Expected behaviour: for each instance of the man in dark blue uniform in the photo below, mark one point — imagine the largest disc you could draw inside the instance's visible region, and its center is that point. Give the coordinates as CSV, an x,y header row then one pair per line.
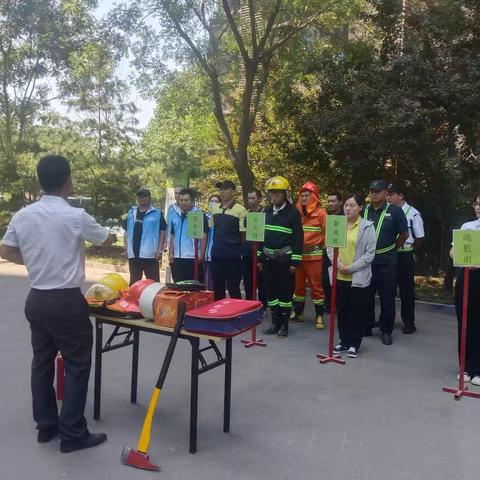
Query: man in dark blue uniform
x,y
392,230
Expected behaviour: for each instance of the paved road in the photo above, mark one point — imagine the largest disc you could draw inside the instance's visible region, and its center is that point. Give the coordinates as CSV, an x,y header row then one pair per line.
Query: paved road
x,y
383,416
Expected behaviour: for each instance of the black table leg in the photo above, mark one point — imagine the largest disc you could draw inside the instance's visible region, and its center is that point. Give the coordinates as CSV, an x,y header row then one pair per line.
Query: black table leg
x,y
228,386
195,343
136,341
98,368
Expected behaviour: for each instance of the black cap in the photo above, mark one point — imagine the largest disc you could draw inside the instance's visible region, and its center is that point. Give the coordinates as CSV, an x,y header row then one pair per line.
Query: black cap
x,y
395,188
378,185
225,185
144,192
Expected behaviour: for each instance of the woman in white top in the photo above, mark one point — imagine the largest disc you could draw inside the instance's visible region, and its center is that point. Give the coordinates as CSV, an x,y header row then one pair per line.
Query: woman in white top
x,y
472,360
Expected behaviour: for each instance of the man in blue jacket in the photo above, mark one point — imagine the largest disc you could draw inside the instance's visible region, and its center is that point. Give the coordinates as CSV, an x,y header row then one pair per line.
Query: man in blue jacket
x,y
181,250
144,238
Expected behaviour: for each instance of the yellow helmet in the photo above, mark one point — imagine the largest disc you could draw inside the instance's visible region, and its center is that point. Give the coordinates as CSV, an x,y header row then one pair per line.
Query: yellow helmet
x,y
100,293
114,281
277,183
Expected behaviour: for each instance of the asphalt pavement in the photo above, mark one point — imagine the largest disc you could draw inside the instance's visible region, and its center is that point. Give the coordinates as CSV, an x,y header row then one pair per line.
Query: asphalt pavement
x,y
382,416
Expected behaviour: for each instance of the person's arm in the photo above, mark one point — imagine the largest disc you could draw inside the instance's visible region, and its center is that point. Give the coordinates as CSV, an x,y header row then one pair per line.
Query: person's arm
x,y
11,254
204,240
297,244
242,223
94,232
9,249
418,230
402,227
161,240
367,257
171,246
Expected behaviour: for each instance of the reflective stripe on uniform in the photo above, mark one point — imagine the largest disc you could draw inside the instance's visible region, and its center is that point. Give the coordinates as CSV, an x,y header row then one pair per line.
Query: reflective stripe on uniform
x,y
276,228
312,229
379,228
298,298
285,304
296,257
273,303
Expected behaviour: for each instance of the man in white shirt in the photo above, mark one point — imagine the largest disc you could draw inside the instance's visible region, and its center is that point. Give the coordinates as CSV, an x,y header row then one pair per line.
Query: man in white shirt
x,y
405,257
48,238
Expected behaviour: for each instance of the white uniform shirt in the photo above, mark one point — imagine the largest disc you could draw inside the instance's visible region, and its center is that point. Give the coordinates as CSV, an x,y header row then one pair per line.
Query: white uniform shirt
x,y
473,225
50,235
415,225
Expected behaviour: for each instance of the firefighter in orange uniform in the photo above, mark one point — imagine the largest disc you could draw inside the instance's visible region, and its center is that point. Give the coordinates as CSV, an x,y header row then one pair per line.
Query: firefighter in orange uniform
x,y
310,270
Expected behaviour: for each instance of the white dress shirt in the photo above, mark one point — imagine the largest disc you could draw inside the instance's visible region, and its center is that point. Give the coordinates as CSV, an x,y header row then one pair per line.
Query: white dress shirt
x,y
415,225
50,235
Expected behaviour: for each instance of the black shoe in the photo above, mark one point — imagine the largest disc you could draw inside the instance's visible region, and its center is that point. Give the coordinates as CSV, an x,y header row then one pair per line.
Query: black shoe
x,y
90,440
47,434
409,330
386,338
283,332
368,333
271,331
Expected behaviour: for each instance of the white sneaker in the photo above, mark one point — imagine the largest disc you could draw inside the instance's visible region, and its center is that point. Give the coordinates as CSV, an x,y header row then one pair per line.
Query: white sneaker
x,y
476,380
353,353
466,377
339,349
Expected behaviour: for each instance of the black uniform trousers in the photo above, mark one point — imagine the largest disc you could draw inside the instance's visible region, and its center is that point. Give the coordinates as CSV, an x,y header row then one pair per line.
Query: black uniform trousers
x,y
384,282
406,286
184,269
353,313
226,272
248,279
472,357
59,321
279,283
140,266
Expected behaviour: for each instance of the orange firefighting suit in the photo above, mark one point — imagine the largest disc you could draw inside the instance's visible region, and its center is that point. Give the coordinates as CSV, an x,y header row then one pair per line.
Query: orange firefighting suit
x,y
310,270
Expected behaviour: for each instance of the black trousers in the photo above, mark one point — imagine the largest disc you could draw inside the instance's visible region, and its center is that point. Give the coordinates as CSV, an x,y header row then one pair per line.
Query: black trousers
x,y
384,281
184,269
327,288
59,321
279,284
353,313
140,266
406,286
248,279
472,357
226,272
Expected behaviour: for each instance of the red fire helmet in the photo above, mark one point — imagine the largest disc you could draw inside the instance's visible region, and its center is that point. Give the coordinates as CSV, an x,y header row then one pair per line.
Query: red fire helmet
x,y
311,187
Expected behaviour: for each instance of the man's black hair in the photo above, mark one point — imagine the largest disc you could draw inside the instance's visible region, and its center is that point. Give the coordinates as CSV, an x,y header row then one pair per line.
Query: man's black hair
x,y
335,194
187,191
53,171
257,191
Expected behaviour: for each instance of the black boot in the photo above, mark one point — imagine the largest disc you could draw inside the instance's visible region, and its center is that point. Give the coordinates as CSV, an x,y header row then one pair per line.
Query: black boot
x,y
296,314
275,323
283,332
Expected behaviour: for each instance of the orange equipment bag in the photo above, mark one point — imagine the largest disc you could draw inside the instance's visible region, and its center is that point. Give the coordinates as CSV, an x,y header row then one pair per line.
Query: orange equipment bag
x,y
166,302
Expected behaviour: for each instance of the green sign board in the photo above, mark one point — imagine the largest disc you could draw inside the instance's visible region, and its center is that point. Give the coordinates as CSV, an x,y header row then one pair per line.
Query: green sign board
x,y
466,248
255,227
336,235
195,224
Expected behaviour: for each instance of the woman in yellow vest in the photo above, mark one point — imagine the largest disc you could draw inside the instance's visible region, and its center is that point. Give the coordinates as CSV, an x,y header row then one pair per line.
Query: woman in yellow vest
x,y
353,277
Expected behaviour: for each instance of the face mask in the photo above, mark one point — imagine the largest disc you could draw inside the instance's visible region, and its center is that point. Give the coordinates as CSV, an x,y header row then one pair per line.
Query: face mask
x,y
211,205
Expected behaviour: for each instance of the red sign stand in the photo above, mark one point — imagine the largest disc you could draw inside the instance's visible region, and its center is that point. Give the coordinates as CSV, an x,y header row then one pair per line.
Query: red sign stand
x,y
333,302
195,268
462,390
254,340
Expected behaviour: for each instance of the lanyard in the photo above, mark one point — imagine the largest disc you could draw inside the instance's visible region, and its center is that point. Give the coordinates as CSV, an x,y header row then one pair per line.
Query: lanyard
x,y
380,221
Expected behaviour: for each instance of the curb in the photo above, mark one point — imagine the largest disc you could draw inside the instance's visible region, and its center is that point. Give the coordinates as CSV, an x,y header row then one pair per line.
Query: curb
x,y
106,266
